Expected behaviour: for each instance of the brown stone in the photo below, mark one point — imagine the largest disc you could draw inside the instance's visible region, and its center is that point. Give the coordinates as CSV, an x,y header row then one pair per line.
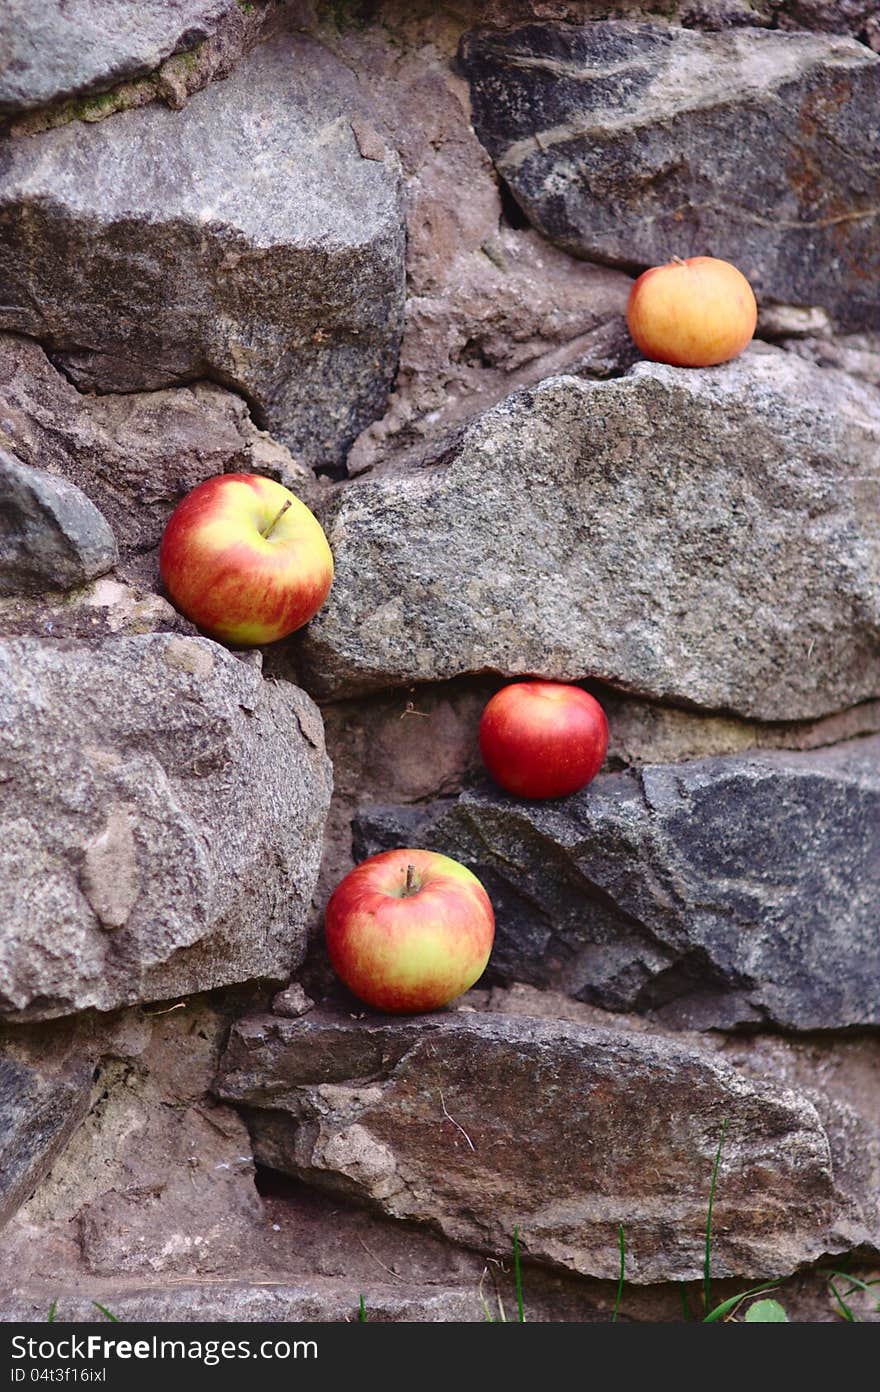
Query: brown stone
x,y
474,1124
489,307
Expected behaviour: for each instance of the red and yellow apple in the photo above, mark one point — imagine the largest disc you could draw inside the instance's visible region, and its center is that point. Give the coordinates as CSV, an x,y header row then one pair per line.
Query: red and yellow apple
x,y
542,739
692,313
409,930
245,560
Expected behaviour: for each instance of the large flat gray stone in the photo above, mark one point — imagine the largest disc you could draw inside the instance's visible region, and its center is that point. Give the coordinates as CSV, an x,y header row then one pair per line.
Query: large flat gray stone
x,y
256,1300
708,538
244,238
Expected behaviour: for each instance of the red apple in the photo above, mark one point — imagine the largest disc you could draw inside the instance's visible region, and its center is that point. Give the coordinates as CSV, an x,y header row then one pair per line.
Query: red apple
x,y
409,930
692,313
245,560
543,739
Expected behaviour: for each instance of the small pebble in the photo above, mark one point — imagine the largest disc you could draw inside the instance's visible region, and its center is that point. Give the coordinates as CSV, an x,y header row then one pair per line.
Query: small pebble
x,y
292,1002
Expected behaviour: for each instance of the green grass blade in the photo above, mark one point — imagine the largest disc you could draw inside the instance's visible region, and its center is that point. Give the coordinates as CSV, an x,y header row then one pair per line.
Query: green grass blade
x,y
855,1283
845,1310
727,1305
362,1311
685,1307
621,1238
517,1276
766,1312
50,1319
107,1313
707,1263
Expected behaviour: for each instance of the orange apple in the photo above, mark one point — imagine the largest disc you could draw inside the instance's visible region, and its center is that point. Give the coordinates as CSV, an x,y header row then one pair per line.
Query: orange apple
x,y
409,930
692,313
245,560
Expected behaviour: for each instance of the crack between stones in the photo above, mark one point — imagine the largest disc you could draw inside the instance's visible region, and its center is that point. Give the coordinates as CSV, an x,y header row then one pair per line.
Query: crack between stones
x,y
209,376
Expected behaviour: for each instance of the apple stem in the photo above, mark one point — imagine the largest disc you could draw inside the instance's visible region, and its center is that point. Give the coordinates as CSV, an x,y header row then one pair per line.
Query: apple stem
x,y
409,887
678,261
277,518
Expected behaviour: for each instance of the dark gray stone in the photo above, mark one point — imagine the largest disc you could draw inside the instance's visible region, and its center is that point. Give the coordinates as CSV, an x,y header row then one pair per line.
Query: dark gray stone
x,y
161,818
708,538
244,238
57,48
41,1104
630,143
51,536
474,1124
712,893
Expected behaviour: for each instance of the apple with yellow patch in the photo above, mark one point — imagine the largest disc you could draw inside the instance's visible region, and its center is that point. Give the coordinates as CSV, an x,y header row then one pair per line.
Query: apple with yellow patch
x,y
409,930
693,313
245,560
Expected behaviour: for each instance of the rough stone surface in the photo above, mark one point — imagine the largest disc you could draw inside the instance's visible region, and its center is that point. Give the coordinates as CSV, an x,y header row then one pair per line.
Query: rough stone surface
x,y
292,1002
176,78
283,1300
704,537
630,143
145,249
782,322
60,47
839,1075
161,809
711,893
156,1191
192,1213
42,1101
101,610
134,455
489,307
641,732
500,316
857,354
158,1179
51,536
414,19
807,331
424,1118
176,1168
860,17
278,1301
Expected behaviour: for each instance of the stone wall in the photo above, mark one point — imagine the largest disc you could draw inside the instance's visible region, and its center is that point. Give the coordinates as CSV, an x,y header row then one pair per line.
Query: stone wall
x,y
381,252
